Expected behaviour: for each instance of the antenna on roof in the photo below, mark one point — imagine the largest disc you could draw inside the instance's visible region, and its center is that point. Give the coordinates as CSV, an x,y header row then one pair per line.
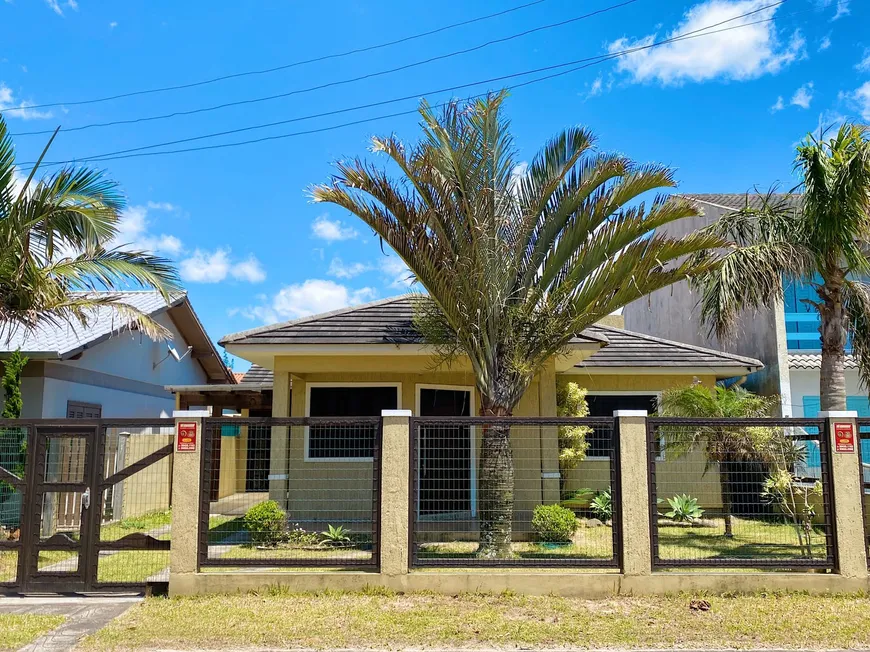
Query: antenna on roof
x,y
172,352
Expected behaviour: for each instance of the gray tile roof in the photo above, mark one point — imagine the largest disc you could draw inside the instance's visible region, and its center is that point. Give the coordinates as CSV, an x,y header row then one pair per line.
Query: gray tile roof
x,y
257,374
630,349
64,340
737,201
814,361
388,321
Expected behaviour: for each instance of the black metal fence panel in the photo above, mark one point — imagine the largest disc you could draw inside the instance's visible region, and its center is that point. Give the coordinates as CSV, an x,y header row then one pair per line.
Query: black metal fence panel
x,y
290,492
558,509
13,462
864,458
740,493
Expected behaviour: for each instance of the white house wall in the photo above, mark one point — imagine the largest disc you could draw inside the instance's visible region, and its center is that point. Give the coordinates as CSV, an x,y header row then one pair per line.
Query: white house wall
x,y
805,382
116,374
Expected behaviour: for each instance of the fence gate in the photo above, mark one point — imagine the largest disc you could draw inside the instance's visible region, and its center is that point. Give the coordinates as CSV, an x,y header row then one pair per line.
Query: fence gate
x,y
92,502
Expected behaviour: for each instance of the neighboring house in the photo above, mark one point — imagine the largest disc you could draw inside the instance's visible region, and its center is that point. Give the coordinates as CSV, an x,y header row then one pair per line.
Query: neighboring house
x,y
361,360
784,336
105,369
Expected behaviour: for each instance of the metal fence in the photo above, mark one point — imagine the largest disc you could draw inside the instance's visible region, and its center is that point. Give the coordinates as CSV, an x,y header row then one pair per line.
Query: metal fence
x,y
13,461
864,458
740,493
290,492
467,512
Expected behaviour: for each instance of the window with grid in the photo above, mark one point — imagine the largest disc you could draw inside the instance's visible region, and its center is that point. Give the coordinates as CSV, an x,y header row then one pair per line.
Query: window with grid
x,y
347,441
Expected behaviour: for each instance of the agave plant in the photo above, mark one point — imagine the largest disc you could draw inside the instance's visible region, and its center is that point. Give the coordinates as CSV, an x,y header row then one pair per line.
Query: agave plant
x,y
56,235
517,259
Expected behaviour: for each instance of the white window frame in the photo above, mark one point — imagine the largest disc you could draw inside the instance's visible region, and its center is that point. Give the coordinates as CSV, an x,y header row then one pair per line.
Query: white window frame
x,y
472,436
308,387
657,394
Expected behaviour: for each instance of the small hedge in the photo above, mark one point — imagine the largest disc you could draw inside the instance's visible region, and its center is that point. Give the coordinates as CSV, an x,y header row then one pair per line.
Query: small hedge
x,y
554,523
266,522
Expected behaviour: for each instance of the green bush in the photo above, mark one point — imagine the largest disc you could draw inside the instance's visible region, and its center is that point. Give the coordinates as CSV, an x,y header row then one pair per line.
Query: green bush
x,y
684,509
554,523
266,522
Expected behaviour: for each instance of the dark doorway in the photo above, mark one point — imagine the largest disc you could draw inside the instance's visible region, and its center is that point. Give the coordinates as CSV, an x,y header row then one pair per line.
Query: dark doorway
x,y
444,458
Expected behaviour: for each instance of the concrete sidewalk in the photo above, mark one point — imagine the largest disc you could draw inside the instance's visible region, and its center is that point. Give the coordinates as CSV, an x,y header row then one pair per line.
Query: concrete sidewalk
x,y
84,616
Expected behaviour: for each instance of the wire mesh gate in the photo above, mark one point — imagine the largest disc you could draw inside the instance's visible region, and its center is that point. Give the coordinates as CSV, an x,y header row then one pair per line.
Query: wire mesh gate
x,y
561,514
85,504
864,459
290,492
740,493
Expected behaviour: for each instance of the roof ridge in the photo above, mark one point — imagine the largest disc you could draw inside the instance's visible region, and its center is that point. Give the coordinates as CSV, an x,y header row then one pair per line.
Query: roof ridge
x,y
232,337
683,345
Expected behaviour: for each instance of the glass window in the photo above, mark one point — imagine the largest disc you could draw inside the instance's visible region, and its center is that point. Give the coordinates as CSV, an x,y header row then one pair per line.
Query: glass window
x,y
350,440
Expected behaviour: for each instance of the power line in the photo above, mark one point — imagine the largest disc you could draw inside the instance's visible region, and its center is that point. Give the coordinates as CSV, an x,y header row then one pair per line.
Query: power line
x,y
294,64
341,82
125,154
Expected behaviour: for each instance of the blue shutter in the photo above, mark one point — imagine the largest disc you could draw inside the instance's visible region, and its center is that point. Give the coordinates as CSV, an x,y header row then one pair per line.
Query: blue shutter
x,y
812,404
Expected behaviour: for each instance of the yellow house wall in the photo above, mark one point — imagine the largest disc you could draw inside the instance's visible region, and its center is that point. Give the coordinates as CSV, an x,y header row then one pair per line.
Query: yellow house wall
x,y
148,489
685,475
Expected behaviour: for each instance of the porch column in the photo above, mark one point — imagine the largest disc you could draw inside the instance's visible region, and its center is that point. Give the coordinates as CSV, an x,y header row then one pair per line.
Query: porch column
x,y
280,438
395,494
847,493
634,498
550,475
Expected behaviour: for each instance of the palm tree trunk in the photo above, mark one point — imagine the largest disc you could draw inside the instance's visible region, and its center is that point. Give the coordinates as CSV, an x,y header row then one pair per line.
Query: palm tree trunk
x,y
832,379
496,507
725,485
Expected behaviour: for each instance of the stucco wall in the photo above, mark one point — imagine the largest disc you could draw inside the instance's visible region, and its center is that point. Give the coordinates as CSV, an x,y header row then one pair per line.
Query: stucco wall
x,y
115,404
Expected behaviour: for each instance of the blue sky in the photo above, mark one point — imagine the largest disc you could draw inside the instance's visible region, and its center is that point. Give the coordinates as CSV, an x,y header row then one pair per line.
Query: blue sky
x,y
725,110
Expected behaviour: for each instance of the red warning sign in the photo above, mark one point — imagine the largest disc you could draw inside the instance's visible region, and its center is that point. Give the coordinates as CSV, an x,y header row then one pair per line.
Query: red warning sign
x,y
844,437
186,437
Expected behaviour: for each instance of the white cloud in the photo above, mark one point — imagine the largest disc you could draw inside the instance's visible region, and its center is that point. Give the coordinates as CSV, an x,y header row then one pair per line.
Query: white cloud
x,y
249,270
825,43
331,230
303,299
396,273
864,64
134,233
803,96
205,267
779,105
339,269
842,9
12,108
744,53
113,24
54,5
161,206
860,98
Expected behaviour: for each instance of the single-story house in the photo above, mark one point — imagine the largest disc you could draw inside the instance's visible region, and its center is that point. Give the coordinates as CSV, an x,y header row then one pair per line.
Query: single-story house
x,y
105,369
361,360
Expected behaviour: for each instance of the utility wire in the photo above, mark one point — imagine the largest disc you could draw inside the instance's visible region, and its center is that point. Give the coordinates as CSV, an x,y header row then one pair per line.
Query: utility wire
x,y
341,82
290,65
132,153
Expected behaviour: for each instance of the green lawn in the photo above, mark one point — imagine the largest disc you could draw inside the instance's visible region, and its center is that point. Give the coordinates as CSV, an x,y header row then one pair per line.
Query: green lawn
x,y
19,630
752,538
385,620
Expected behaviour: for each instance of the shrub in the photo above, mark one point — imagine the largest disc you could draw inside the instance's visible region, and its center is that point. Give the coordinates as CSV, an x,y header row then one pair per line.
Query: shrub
x,y
336,536
265,521
299,536
554,523
684,509
602,505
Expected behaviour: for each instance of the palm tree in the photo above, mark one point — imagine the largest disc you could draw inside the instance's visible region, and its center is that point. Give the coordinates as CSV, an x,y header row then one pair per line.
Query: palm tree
x,y
822,241
55,250
723,446
517,260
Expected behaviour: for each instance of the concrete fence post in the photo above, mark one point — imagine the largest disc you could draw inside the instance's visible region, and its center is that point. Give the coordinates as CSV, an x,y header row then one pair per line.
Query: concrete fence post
x,y
395,494
847,494
634,506
186,493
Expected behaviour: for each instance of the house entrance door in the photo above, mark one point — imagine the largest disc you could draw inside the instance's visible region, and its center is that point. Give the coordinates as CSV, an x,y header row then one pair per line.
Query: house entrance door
x,y
445,456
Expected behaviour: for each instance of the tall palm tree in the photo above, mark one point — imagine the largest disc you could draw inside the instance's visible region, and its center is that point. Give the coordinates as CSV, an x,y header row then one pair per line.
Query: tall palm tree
x,y
517,260
823,241
55,250
723,446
